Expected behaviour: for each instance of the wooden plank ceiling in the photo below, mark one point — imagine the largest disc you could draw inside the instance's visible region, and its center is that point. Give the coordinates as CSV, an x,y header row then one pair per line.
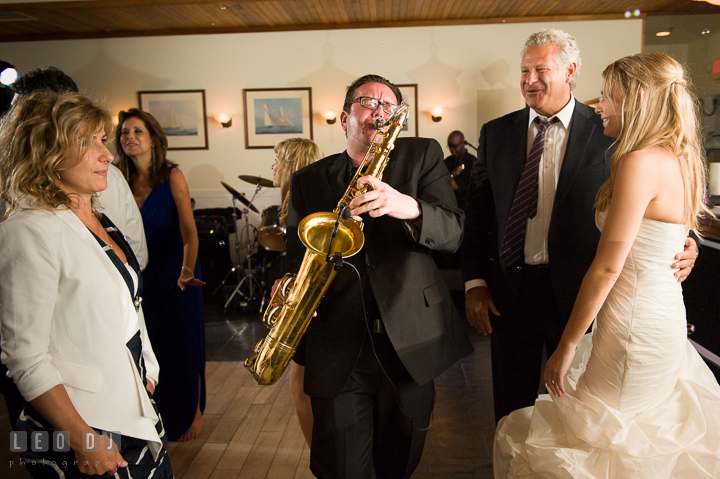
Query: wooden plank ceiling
x,y
24,21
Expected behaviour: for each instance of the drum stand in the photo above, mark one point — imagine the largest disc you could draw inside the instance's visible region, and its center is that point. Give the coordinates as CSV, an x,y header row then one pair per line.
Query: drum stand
x,y
235,268
249,278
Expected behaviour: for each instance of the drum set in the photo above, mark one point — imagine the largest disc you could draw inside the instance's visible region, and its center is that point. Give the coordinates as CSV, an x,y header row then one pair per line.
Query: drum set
x,y
264,248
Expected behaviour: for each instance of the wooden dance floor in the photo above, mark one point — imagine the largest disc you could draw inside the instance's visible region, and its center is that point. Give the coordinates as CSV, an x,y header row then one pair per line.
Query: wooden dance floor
x,y
253,432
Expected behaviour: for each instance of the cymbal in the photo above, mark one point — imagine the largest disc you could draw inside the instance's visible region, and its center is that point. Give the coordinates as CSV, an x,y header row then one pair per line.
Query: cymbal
x,y
257,180
240,197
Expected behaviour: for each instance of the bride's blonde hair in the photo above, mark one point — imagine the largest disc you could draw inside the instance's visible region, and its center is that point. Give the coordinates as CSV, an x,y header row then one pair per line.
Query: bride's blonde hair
x,y
657,110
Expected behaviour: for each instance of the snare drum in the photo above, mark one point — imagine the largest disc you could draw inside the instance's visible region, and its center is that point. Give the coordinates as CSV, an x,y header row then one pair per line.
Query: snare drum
x,y
271,235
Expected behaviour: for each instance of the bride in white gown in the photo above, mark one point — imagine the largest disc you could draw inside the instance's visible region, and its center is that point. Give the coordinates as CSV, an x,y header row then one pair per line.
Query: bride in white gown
x,y
633,399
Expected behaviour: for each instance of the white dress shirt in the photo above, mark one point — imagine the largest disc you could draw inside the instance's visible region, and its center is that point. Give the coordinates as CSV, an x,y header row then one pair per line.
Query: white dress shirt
x,y
556,138
118,203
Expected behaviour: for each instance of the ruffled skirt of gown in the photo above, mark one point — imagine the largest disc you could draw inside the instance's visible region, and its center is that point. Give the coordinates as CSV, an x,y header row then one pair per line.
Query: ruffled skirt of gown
x,y
640,402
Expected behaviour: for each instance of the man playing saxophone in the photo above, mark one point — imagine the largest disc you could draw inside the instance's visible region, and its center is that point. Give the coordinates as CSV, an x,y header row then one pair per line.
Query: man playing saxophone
x,y
387,326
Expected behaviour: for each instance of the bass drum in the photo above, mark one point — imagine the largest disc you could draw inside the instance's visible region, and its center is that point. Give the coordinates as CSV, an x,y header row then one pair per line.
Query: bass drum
x,y
271,235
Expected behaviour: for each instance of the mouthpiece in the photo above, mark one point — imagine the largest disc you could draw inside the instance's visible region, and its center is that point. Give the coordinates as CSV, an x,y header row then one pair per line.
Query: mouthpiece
x,y
380,123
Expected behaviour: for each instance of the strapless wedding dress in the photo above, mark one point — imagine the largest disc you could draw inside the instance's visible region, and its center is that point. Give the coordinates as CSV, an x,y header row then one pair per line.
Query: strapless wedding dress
x,y
640,402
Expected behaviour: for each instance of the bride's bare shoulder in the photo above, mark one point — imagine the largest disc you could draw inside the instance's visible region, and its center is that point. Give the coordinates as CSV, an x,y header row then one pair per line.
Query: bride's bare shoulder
x,y
651,161
651,154
655,173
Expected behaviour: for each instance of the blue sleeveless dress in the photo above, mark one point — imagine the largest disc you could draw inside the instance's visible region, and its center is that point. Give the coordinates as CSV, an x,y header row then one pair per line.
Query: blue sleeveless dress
x,y
175,319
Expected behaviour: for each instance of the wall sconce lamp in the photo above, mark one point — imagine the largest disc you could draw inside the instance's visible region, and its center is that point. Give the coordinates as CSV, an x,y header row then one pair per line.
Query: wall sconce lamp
x,y
224,119
330,116
436,114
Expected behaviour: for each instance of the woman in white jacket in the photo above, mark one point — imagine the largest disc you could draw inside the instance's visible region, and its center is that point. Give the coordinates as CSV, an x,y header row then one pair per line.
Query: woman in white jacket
x,y
73,336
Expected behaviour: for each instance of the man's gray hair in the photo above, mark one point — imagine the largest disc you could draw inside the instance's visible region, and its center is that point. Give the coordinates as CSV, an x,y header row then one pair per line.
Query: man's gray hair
x,y
568,50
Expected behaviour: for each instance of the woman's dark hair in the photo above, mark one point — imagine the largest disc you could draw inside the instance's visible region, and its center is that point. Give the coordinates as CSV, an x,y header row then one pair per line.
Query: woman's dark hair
x,y
46,78
160,166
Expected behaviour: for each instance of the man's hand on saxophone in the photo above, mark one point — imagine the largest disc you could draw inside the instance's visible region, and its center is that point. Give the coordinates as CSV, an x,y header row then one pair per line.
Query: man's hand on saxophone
x,y
384,200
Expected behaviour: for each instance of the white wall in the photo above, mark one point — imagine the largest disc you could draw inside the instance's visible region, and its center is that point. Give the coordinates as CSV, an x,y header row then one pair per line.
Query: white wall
x,y
471,71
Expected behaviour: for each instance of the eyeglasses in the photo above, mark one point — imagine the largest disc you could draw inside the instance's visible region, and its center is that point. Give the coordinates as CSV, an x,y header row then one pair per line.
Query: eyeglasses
x,y
372,104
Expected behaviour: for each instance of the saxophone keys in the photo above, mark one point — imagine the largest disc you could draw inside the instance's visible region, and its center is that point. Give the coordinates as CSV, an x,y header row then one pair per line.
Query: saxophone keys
x,y
272,317
250,363
287,286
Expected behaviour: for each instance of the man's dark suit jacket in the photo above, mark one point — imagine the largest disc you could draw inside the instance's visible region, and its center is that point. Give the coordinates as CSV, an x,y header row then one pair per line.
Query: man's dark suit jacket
x,y
572,237
413,300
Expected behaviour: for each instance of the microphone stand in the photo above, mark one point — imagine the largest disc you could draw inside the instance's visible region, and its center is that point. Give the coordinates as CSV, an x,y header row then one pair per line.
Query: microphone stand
x,y
471,146
337,258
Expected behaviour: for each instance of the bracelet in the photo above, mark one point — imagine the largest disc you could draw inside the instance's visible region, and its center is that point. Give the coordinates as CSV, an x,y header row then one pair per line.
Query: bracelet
x,y
185,267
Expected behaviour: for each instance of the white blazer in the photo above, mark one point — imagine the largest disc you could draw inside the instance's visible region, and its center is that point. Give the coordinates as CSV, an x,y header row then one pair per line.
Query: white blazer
x,y
61,306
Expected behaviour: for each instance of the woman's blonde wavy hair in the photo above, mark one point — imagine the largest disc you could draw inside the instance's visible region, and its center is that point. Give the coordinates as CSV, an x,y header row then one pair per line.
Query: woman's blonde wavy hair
x,y
35,137
293,154
657,110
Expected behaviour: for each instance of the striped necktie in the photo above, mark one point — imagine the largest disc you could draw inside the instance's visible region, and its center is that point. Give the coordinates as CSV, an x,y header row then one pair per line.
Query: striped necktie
x,y
525,203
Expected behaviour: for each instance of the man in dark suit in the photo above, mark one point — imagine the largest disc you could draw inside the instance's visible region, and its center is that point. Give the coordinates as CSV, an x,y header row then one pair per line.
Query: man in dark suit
x,y
530,234
383,333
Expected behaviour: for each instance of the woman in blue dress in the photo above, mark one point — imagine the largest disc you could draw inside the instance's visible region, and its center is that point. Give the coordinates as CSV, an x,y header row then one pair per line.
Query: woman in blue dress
x,y
173,302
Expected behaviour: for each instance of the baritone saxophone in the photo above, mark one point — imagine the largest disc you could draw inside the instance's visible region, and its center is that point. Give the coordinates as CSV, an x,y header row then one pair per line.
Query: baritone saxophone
x,y
329,238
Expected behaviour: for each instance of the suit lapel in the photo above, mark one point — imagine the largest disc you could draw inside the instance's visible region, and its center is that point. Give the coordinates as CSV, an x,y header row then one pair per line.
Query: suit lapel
x,y
74,222
517,146
513,160
336,174
87,237
581,132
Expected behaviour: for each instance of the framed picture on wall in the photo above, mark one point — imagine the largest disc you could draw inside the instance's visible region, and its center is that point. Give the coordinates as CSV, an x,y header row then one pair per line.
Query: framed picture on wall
x,y
410,96
276,114
181,113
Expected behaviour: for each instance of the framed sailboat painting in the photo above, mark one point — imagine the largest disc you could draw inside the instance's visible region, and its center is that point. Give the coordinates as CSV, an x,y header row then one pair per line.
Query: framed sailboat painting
x,y
275,114
181,113
410,96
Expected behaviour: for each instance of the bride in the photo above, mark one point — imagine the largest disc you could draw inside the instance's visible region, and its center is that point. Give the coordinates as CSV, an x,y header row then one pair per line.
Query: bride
x,y
633,398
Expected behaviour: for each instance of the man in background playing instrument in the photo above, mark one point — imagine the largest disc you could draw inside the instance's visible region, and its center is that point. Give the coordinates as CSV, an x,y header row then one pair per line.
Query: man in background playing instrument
x,y
459,164
377,343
